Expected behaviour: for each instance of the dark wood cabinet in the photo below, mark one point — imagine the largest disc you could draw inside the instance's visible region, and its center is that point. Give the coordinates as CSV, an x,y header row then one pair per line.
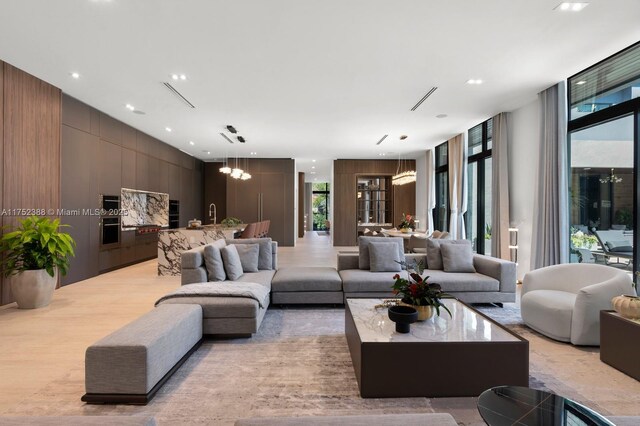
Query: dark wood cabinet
x,y
268,195
110,168
142,172
174,181
128,168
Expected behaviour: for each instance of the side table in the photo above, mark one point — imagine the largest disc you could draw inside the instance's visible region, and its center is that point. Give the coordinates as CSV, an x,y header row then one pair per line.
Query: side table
x,y
620,343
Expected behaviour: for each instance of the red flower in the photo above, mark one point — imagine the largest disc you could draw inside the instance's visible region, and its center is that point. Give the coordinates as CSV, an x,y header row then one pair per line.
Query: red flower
x,y
396,276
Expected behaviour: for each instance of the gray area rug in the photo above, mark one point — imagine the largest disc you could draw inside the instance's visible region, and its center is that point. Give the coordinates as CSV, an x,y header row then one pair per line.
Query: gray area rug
x,y
298,364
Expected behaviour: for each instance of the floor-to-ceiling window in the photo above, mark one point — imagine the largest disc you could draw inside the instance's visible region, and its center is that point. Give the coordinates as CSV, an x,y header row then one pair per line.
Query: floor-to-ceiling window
x,y
320,206
478,215
604,119
441,212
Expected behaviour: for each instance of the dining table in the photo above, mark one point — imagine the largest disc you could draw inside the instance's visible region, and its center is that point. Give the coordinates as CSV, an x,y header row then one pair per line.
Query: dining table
x,y
405,235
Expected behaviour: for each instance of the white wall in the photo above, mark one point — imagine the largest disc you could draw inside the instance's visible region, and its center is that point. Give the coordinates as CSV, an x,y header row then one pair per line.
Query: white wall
x,y
523,166
421,190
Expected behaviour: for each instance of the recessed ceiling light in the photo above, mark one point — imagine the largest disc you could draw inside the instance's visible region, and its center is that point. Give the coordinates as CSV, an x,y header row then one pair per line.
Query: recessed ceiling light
x,y
192,143
382,154
168,129
75,75
130,107
175,76
580,83
313,167
313,173
183,77
254,153
441,116
474,81
208,152
313,161
571,6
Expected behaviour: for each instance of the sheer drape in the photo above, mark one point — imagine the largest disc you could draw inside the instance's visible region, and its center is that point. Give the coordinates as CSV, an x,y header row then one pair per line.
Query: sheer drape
x,y
457,186
550,244
500,186
431,189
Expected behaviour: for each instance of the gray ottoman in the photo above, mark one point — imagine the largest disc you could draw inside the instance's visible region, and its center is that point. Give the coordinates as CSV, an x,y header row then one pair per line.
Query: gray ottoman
x,y
132,363
422,419
306,285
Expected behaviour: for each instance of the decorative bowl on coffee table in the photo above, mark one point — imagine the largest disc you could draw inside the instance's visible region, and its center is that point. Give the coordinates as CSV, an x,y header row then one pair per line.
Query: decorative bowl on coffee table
x,y
403,316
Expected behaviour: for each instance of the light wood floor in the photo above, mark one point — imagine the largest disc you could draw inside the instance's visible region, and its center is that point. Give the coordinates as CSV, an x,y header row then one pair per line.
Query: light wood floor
x,y
42,345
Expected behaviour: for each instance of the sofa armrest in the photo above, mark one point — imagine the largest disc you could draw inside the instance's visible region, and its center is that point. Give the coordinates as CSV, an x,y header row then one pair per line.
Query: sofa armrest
x,y
193,258
274,255
502,270
590,300
348,261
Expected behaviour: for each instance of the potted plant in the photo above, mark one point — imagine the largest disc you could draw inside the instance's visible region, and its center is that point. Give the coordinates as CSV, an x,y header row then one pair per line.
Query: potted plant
x,y
230,222
33,255
417,292
407,224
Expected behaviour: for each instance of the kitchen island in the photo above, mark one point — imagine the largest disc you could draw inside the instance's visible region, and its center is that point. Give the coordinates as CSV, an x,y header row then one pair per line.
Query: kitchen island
x,y
172,242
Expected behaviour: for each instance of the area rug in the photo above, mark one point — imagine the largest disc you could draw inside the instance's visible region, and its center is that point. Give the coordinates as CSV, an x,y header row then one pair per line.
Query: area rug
x,y
298,364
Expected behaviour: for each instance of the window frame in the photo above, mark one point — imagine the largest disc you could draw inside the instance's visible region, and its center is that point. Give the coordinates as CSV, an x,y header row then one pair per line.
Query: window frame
x,y
441,168
480,158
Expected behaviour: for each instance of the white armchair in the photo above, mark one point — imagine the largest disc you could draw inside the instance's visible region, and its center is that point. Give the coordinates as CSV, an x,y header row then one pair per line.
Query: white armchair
x,y
564,301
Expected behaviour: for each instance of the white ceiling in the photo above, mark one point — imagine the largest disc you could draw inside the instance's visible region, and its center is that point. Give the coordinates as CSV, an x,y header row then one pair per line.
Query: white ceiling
x,y
309,79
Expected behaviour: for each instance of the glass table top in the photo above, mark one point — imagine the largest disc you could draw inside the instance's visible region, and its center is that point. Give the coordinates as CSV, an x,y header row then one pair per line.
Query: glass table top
x,y
516,405
465,325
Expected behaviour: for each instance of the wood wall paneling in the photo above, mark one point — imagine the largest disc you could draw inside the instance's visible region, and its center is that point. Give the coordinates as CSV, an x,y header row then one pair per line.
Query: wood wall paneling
x,y
110,168
128,137
76,114
142,172
345,175
31,144
174,182
128,168
1,160
301,204
110,129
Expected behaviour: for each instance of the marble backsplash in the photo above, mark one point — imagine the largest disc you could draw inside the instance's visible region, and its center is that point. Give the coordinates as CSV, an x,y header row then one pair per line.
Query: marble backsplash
x,y
144,208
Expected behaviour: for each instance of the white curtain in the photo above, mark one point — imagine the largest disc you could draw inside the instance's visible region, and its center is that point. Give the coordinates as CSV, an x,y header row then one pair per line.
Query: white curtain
x,y
431,190
550,244
500,186
457,185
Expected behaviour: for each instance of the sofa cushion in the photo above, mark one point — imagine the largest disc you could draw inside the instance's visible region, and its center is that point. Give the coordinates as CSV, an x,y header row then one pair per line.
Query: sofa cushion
x,y
619,246
383,257
306,279
457,258
232,264
221,307
265,255
363,245
261,277
462,281
549,312
359,281
192,259
213,261
434,256
248,256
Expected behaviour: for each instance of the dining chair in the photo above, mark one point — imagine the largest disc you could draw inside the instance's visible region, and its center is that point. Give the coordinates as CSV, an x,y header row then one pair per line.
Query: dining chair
x,y
249,231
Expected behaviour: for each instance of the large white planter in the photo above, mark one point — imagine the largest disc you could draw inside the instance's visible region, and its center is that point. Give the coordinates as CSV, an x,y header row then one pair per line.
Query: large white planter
x,y
33,289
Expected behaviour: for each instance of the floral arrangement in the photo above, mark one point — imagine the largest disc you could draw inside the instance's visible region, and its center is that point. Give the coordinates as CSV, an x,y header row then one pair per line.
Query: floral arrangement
x,y
417,290
407,222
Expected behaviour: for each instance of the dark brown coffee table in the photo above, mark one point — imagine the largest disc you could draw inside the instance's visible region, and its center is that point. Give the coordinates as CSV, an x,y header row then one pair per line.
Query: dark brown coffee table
x,y
440,357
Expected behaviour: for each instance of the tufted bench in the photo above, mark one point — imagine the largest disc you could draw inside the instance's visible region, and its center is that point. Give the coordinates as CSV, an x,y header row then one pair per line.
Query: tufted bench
x,y
306,285
132,363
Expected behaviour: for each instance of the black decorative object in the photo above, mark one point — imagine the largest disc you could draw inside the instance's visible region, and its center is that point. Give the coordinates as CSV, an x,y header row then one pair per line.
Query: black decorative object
x,y
403,316
232,129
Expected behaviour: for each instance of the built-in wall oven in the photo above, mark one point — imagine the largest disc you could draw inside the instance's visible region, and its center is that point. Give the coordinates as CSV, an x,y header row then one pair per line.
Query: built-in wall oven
x,y
109,221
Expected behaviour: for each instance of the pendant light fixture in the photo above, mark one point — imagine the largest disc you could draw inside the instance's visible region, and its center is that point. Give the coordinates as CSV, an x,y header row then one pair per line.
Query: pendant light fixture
x,y
403,174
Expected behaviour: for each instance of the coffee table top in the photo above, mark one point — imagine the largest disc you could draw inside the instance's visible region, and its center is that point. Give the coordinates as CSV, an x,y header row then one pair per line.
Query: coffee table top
x,y
466,325
517,405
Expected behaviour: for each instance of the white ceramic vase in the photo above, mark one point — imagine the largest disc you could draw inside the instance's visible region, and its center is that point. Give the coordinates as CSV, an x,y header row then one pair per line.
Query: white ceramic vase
x,y
33,289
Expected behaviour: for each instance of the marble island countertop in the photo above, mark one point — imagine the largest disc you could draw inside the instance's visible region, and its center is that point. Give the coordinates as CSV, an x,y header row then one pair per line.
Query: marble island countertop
x,y
172,242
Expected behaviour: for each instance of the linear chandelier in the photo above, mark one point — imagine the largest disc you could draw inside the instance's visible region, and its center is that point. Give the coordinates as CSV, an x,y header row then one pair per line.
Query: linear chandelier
x,y
236,172
403,174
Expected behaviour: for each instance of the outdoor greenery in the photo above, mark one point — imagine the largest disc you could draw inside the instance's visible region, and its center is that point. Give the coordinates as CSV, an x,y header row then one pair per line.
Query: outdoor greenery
x,y
581,240
320,205
36,244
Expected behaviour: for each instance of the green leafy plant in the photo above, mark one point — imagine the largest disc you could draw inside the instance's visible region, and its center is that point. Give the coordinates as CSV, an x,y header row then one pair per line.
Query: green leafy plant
x,y
37,244
417,290
581,240
231,221
488,231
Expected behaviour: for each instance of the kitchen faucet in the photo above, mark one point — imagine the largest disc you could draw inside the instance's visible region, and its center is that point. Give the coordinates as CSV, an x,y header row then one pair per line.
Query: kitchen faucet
x,y
212,206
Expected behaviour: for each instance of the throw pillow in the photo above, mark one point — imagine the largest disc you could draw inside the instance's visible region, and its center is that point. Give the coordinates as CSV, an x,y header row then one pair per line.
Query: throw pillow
x,y
248,256
232,264
363,244
265,255
383,257
213,261
619,246
434,256
457,258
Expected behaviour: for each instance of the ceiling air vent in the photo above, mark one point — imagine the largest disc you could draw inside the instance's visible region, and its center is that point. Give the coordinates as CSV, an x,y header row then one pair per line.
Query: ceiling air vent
x,y
226,137
178,94
381,139
424,98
